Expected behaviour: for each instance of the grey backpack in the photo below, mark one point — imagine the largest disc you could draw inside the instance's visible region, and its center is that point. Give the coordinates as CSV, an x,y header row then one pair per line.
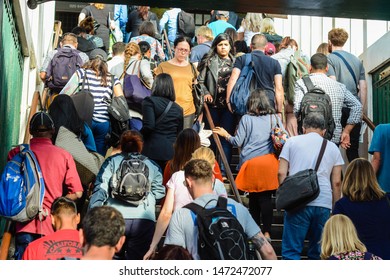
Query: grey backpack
x,y
130,183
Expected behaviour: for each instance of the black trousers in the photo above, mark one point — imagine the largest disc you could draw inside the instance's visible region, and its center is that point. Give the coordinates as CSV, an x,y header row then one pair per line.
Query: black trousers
x,y
260,204
353,151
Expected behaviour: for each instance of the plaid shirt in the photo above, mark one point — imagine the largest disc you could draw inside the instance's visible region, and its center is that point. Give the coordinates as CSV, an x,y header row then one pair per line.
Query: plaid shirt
x,y
339,96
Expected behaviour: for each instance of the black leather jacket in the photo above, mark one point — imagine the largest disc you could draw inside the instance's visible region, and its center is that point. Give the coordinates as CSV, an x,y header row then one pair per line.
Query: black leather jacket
x,y
208,77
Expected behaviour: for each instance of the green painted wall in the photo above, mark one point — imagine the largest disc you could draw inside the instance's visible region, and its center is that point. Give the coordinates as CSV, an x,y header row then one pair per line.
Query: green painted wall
x,y
11,80
381,96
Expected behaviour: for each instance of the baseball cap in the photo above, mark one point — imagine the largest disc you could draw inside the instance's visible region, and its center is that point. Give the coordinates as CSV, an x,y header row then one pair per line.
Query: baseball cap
x,y
223,13
41,121
98,53
269,49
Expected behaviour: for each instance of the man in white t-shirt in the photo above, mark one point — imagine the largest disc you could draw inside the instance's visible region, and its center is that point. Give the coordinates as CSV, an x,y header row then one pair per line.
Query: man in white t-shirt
x,y
300,153
183,230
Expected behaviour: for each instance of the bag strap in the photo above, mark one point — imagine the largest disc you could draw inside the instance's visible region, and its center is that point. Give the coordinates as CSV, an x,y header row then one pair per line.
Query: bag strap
x,y
222,202
346,64
194,76
194,207
308,83
322,151
127,67
164,113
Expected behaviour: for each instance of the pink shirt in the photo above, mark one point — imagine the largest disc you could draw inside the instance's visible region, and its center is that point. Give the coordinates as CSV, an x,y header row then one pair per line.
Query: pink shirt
x,y
60,174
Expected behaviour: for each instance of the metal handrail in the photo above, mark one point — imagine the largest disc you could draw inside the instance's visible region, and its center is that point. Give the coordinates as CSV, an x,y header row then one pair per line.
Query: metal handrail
x,y
223,156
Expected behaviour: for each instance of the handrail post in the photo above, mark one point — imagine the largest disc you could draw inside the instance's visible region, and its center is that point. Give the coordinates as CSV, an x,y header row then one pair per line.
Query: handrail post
x,y
223,156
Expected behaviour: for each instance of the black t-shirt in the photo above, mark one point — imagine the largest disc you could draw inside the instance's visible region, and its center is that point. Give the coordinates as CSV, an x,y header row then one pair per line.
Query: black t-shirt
x,y
265,67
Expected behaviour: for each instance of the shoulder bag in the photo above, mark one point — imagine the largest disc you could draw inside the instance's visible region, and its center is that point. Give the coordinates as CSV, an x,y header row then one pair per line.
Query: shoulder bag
x,y
134,89
197,93
299,189
84,102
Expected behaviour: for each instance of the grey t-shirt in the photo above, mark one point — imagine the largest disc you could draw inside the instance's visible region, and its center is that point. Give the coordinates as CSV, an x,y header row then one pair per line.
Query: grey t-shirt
x,y
338,69
183,230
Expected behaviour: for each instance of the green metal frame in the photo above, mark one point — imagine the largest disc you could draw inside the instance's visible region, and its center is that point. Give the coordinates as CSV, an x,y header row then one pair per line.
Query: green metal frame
x,y
11,80
381,96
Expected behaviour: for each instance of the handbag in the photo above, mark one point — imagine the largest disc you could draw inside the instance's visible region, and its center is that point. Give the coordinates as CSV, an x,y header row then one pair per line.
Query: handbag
x,y
118,112
197,93
84,102
279,136
301,188
87,163
134,88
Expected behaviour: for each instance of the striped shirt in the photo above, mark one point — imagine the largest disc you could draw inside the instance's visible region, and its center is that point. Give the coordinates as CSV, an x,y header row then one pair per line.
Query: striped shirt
x,y
339,96
94,84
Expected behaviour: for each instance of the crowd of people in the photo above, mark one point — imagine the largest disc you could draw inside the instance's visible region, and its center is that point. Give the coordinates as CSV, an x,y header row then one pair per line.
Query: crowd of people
x,y
348,220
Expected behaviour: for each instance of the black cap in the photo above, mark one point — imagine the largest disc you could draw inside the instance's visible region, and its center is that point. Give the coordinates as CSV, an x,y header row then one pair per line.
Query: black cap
x,y
41,121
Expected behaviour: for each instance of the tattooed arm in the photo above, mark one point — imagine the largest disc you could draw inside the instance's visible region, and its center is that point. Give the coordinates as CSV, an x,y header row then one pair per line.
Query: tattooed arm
x,y
264,247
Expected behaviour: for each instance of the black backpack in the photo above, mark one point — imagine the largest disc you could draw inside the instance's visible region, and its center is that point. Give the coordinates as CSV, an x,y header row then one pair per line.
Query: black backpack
x,y
185,24
61,68
130,183
221,236
316,100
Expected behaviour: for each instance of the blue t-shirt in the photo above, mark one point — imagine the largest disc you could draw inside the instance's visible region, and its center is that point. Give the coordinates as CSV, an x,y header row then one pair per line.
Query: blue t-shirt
x,y
380,142
265,67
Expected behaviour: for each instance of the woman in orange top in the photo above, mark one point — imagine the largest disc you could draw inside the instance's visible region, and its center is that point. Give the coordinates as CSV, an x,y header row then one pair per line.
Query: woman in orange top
x,y
183,77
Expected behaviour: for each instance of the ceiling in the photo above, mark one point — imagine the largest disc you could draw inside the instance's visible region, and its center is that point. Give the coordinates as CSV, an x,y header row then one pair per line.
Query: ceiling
x,y
361,9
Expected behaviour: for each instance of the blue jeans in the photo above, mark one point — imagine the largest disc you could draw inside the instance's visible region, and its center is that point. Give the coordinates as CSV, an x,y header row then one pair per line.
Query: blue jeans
x,y
22,240
139,235
307,222
135,124
222,118
100,131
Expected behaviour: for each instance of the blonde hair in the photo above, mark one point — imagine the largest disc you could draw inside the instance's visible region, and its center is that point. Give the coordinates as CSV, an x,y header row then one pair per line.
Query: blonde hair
x,y
204,153
360,183
323,48
130,50
99,6
205,32
267,26
339,236
252,22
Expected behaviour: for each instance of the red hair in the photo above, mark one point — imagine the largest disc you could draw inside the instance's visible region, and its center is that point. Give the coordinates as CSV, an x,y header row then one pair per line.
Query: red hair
x,y
131,142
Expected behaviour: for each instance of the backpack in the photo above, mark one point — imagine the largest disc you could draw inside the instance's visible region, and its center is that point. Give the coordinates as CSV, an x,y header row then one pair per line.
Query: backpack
x,y
245,84
316,100
130,183
221,236
62,66
296,69
185,24
22,187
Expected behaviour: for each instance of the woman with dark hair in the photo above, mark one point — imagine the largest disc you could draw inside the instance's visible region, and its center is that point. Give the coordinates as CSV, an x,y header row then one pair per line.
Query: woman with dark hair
x,y
240,48
87,24
214,73
173,252
137,17
140,220
63,112
103,86
232,33
147,32
367,205
162,121
183,76
258,165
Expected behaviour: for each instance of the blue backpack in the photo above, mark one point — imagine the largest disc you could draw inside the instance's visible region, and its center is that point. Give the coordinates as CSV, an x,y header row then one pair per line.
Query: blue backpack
x,y
22,187
245,84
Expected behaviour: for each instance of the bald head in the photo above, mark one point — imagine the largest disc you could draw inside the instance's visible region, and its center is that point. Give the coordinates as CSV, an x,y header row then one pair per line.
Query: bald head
x,y
259,41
